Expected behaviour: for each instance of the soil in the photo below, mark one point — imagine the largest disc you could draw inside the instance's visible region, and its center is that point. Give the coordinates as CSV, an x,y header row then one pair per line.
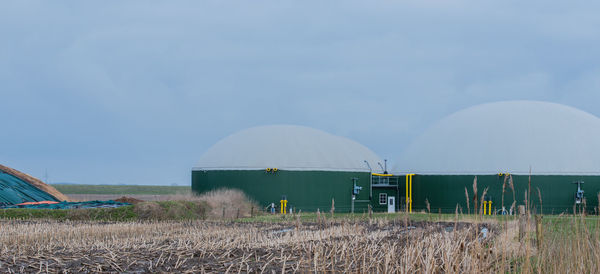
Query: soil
x,y
130,200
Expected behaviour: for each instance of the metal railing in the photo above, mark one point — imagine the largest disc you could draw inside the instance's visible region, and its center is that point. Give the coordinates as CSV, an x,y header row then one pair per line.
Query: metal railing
x,y
385,180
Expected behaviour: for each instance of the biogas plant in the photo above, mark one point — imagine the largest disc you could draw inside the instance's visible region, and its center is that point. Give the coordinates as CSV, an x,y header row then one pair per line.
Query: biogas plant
x,y
542,155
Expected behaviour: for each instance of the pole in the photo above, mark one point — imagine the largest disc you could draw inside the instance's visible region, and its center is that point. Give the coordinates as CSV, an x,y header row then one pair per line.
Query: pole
x,y
410,190
406,193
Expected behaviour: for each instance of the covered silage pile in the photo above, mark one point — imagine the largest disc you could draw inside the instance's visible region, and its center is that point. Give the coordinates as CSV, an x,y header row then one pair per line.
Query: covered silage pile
x,y
17,187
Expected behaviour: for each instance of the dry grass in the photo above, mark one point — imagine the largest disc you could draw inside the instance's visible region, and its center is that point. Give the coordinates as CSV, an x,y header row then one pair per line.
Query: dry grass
x,y
225,203
353,245
222,203
234,203
571,245
376,246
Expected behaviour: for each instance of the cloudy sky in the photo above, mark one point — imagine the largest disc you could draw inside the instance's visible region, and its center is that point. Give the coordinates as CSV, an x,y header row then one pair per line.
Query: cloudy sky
x,y
133,92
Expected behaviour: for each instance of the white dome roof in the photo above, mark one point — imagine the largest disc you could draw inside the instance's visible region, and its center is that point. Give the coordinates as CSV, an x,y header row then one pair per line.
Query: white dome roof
x,y
287,147
508,137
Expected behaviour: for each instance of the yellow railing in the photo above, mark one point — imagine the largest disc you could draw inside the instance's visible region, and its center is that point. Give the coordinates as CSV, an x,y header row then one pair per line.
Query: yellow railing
x,y
382,175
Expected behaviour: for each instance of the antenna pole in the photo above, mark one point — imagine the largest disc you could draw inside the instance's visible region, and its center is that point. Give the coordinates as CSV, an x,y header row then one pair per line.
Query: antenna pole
x,y
385,169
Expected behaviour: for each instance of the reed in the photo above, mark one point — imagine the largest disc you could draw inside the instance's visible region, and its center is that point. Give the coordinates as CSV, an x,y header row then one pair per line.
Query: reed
x,y
212,246
504,189
475,195
512,189
565,244
481,213
539,193
467,200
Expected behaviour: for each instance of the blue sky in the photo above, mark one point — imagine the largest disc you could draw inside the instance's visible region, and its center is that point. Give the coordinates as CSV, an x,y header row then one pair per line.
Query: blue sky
x,y
133,92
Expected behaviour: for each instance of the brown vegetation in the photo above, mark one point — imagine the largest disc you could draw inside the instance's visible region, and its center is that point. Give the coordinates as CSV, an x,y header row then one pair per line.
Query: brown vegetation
x,y
348,246
130,200
230,201
222,203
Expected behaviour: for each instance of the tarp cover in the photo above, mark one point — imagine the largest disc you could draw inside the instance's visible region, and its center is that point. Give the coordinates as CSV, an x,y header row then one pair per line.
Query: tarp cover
x,y
14,191
35,183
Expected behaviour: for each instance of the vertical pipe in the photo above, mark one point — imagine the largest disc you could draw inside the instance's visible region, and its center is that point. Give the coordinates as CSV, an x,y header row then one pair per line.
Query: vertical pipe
x,y
406,193
370,185
490,209
484,207
410,190
398,194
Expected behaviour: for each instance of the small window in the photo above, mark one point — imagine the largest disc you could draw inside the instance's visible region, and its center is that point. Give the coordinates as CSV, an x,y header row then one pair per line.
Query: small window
x,y
383,198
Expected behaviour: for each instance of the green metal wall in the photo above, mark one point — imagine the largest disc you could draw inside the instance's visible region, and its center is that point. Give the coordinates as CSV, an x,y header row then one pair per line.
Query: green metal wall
x,y
309,190
390,191
446,191
305,190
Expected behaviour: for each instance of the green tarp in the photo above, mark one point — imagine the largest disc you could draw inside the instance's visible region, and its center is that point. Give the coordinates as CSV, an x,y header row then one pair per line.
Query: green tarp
x,y
15,191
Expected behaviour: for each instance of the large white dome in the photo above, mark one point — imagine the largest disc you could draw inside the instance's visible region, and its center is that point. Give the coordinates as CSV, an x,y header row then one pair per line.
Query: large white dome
x,y
508,137
287,147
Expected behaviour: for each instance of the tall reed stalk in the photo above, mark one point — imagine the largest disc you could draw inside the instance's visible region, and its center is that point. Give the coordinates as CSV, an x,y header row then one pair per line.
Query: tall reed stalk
x,y
512,188
540,199
481,212
475,195
467,198
503,189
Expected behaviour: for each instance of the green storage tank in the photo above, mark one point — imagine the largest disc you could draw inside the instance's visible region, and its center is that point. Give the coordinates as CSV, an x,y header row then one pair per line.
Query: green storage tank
x,y
558,145
307,166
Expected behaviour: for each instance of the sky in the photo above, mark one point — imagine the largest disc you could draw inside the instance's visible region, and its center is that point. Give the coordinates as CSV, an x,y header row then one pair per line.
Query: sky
x,y
133,92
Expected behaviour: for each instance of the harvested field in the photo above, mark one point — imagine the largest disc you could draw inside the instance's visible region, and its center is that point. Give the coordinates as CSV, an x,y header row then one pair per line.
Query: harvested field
x,y
122,189
347,244
105,197
361,246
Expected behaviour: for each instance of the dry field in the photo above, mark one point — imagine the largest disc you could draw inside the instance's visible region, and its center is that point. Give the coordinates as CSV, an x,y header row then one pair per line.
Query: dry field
x,y
237,242
105,197
341,246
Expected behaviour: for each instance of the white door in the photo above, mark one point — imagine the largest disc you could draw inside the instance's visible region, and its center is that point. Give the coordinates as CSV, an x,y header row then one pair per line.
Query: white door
x,y
391,204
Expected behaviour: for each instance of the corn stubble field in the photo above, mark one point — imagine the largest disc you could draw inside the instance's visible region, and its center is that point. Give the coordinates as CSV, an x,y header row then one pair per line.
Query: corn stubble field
x,y
340,246
200,246
361,243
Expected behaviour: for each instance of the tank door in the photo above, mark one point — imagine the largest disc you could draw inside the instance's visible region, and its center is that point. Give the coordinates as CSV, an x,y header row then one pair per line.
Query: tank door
x,y
391,204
